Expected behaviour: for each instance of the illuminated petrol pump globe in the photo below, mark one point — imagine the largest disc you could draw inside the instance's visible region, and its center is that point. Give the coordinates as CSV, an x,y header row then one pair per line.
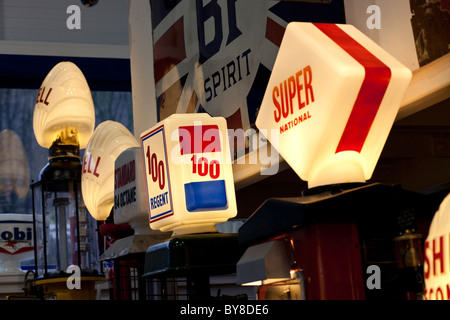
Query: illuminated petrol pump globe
x,y
63,101
330,103
65,233
109,140
188,174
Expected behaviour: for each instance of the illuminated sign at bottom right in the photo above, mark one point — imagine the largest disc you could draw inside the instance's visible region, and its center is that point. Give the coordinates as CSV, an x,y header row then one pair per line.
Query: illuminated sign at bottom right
x,y
437,255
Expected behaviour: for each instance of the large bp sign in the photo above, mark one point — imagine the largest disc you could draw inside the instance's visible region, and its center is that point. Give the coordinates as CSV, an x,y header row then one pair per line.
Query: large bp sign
x,y
216,56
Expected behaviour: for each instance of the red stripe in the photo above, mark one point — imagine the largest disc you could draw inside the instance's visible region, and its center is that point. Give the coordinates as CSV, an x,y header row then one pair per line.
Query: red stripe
x,y
274,32
371,93
169,50
199,139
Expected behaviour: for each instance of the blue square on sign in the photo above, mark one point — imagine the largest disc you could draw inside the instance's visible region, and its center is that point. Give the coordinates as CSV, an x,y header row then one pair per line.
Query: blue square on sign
x,y
205,195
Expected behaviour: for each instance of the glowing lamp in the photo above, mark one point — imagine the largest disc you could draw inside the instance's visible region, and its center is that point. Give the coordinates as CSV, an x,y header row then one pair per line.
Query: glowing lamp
x,y
189,178
330,102
437,253
63,101
109,140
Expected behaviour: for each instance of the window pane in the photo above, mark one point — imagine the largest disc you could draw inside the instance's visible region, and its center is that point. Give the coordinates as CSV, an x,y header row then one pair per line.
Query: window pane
x,y
21,158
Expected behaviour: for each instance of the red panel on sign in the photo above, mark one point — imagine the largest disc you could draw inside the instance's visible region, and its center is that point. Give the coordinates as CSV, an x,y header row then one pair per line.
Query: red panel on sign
x,y
199,139
373,88
274,32
169,50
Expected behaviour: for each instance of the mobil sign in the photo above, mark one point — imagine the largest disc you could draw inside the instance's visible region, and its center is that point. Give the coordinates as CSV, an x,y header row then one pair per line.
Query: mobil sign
x,y
16,234
332,97
188,174
437,255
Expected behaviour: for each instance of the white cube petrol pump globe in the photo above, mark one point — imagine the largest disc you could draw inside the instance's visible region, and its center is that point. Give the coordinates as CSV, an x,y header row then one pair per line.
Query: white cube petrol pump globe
x,y
330,103
189,179
63,101
109,140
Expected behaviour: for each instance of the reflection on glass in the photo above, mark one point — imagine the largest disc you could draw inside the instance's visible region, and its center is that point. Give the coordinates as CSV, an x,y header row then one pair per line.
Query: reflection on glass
x,y
14,170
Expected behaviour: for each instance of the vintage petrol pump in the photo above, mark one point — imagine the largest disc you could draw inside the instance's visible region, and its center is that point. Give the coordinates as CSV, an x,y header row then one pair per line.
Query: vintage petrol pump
x,y
65,235
190,189
328,108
